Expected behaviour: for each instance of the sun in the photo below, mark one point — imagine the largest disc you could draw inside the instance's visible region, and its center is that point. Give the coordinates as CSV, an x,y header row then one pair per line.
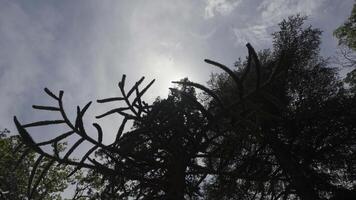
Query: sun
x,y
165,69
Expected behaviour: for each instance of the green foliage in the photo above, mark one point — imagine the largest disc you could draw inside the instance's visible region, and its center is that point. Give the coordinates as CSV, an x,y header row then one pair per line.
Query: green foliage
x,y
346,33
351,80
16,161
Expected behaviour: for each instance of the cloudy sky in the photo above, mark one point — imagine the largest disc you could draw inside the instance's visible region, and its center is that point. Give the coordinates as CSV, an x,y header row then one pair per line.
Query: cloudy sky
x,y
83,47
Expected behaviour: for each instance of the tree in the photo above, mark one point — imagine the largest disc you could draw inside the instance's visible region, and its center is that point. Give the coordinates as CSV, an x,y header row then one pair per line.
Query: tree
x,y
15,173
346,34
161,157
300,144
159,162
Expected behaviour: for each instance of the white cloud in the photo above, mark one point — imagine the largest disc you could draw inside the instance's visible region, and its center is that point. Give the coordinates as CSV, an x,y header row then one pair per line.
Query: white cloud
x,y
223,7
273,11
270,13
256,35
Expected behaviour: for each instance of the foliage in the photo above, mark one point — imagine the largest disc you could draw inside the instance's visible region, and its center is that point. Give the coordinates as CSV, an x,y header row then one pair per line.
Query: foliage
x,y
351,80
159,162
346,33
300,144
15,160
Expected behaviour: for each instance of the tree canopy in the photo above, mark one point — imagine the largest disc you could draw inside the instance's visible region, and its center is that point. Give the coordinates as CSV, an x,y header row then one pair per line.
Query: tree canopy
x,y
280,126
346,33
303,138
15,172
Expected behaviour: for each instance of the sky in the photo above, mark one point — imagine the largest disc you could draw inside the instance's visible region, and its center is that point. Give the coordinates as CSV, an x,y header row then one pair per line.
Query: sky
x,y
84,47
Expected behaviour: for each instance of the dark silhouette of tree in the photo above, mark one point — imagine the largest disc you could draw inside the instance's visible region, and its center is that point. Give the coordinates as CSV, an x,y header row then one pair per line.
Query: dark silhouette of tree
x,y
161,157
300,141
281,126
77,132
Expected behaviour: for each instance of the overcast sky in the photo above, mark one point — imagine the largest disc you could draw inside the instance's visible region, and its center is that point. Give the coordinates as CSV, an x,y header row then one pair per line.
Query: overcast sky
x,y
84,47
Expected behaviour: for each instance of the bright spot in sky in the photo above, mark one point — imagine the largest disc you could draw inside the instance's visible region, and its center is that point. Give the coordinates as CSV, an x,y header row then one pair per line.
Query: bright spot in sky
x,y
166,70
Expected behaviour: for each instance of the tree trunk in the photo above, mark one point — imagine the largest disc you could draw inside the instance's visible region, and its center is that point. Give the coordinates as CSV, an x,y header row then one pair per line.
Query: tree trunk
x,y
297,176
176,180
176,169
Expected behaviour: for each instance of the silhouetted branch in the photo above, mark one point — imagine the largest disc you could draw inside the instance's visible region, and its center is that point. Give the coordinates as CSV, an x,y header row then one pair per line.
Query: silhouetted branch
x,y
136,108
